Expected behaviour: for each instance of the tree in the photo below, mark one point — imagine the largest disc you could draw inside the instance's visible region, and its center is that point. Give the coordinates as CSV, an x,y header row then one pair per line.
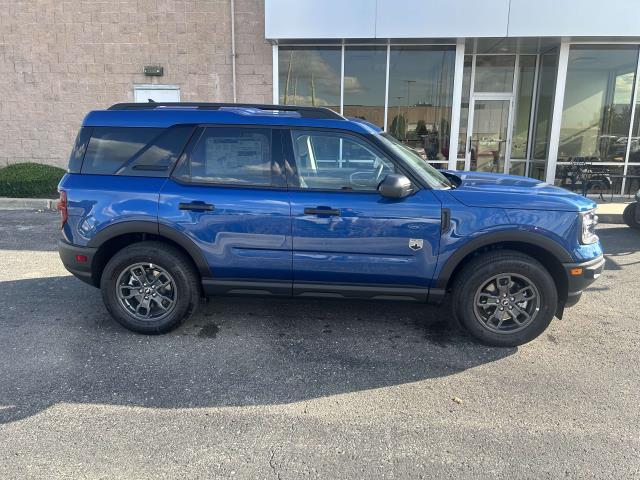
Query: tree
x,y
421,128
399,127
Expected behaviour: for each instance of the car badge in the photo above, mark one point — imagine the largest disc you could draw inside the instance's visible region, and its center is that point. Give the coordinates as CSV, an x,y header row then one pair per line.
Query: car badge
x,y
415,244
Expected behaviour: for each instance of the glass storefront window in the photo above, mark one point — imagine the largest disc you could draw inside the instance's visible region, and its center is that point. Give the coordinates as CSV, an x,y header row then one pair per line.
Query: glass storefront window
x,y
494,73
632,182
489,136
518,168
544,107
589,177
524,97
309,76
597,103
634,148
537,170
464,107
365,70
420,97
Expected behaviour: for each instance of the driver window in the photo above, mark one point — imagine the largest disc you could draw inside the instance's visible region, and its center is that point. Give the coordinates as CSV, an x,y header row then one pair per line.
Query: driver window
x,y
333,161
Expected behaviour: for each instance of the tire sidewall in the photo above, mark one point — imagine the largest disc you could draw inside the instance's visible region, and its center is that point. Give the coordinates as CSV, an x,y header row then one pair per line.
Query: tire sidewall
x,y
532,270
130,256
629,215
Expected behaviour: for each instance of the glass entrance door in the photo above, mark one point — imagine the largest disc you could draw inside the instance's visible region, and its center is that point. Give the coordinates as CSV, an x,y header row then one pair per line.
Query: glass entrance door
x,y
488,145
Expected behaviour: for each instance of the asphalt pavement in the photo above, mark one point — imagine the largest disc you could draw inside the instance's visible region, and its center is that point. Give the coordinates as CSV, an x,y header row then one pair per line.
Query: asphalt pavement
x,y
289,389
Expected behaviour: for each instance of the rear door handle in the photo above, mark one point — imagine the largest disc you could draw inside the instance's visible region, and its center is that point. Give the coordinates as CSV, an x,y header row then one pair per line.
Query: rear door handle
x,y
322,211
196,206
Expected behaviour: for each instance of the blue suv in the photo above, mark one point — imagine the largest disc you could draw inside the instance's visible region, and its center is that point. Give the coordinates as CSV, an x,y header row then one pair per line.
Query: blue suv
x,y
164,204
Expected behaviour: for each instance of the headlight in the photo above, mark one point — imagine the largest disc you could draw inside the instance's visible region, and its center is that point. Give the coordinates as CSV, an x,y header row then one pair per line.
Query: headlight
x,y
589,221
638,196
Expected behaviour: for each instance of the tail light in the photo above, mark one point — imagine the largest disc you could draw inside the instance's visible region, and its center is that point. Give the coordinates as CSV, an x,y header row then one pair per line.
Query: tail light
x,y
61,206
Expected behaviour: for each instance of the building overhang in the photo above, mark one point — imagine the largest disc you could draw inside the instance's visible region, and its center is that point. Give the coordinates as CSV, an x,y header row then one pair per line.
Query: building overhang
x,y
383,19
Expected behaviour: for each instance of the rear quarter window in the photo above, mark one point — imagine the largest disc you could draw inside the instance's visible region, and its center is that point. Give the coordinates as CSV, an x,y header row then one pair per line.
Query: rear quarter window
x,y
157,158
134,151
110,147
79,148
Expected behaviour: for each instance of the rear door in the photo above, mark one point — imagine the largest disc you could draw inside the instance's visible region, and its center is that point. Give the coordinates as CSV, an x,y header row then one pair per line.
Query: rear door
x,y
348,240
228,195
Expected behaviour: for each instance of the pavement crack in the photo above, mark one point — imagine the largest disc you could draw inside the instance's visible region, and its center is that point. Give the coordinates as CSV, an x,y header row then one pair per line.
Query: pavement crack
x,y
272,463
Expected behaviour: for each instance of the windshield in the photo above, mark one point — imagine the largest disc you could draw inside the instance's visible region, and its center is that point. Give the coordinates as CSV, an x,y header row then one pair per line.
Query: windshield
x,y
432,177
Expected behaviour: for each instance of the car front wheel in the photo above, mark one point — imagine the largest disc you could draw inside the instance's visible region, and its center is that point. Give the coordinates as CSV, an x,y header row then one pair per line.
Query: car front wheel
x,y
504,298
150,287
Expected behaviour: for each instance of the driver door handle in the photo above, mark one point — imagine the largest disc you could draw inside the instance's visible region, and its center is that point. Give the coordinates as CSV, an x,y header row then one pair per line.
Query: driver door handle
x,y
322,211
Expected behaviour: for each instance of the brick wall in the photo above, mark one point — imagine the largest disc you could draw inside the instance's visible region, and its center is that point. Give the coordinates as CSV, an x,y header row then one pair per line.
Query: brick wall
x,y
60,59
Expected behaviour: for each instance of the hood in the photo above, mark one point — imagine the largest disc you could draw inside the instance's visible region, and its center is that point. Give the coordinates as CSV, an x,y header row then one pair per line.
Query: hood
x,y
479,189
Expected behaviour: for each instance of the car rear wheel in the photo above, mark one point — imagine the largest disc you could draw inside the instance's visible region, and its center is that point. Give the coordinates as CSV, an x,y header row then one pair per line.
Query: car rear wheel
x,y
150,287
504,298
629,215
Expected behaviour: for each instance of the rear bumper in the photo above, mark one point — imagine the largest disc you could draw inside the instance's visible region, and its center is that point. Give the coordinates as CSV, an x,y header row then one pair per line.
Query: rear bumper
x,y
72,257
580,276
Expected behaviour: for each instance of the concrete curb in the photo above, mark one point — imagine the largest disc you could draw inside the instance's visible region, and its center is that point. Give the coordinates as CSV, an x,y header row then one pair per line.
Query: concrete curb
x,y
27,203
615,218
611,212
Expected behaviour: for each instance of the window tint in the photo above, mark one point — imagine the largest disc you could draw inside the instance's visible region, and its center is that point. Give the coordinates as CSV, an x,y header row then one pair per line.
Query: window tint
x,y
110,147
236,156
77,154
156,158
338,162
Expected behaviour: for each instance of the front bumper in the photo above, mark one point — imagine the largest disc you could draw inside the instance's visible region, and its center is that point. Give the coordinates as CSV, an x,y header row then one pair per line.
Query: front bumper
x,y
580,276
77,260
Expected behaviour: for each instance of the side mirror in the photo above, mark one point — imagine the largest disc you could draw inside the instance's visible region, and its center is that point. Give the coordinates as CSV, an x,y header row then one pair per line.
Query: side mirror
x,y
395,185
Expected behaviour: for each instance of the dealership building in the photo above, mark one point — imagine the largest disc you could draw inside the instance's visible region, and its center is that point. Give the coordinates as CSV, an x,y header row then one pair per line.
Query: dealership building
x,y
516,86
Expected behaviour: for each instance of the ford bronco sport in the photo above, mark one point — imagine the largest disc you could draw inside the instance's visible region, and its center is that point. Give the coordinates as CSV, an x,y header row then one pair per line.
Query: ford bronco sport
x,y
166,203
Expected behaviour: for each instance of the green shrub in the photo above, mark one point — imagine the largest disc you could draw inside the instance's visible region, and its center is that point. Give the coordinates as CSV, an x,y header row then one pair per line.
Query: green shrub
x,y
30,180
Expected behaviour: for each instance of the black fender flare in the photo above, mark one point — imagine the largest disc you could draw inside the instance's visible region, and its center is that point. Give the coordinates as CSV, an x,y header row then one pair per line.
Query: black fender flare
x,y
520,236
170,233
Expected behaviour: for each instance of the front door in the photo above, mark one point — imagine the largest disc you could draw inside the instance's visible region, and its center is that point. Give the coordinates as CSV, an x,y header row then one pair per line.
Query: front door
x,y
488,145
228,195
348,240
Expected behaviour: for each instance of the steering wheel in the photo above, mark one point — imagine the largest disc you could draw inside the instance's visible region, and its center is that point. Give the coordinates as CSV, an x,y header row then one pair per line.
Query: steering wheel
x,y
376,178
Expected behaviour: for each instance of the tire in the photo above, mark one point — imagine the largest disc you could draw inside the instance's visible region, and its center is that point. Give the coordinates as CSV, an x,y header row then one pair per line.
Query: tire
x,y
629,215
518,322
169,297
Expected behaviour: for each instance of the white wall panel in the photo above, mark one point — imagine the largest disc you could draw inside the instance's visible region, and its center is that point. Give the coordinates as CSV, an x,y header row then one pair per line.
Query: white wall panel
x,y
442,18
320,19
574,18
334,19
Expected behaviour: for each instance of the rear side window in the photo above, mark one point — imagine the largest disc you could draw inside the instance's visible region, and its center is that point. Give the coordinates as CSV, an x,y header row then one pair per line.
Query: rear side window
x,y
157,158
110,147
77,154
230,156
130,151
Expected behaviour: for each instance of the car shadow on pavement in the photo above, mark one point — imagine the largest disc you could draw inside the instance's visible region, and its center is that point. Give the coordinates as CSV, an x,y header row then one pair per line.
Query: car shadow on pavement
x,y
60,345
619,242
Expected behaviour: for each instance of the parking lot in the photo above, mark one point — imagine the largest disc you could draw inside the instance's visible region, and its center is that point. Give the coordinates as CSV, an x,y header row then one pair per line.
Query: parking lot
x,y
254,388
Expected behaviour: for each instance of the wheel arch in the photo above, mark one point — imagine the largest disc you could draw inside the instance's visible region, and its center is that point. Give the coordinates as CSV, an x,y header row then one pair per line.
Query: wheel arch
x,y
117,236
548,252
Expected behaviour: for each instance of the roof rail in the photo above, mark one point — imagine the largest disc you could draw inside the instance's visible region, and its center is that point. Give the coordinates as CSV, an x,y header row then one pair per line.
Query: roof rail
x,y
305,112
